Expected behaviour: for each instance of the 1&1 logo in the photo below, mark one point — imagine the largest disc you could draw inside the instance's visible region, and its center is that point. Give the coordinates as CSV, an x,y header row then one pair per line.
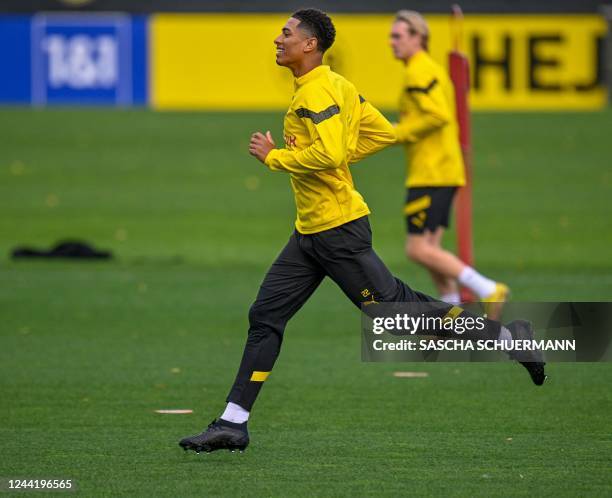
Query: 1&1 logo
x,y
81,59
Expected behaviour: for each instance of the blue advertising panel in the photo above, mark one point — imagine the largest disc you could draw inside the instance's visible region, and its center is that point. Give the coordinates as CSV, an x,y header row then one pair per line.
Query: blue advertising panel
x,y
74,59
81,59
15,59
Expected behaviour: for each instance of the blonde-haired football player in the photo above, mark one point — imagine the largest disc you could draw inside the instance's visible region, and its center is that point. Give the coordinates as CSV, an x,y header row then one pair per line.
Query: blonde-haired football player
x,y
428,129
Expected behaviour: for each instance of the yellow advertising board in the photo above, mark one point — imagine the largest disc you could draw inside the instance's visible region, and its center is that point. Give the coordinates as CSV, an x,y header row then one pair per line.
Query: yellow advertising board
x,y
518,62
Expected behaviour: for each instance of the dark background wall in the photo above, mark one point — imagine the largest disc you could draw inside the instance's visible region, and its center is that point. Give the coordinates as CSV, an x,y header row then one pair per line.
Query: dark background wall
x,y
500,6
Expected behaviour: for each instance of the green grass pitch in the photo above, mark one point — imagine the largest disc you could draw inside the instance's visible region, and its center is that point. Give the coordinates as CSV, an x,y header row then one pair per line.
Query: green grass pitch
x,y
89,351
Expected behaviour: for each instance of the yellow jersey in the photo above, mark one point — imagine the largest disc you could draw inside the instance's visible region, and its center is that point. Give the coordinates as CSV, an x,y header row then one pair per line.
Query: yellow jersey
x,y
327,127
428,125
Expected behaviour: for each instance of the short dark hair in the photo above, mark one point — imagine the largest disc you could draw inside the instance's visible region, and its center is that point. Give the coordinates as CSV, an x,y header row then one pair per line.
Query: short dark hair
x,y
319,25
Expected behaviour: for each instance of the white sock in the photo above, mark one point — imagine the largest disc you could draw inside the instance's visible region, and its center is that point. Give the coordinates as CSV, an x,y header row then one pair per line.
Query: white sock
x,y
235,413
506,336
480,285
451,298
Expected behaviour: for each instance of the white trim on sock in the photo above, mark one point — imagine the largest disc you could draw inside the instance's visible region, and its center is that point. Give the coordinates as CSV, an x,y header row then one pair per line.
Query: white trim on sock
x,y
506,336
235,413
451,298
477,283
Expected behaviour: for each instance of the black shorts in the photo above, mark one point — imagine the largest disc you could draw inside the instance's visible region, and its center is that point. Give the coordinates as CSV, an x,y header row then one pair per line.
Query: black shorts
x,y
428,208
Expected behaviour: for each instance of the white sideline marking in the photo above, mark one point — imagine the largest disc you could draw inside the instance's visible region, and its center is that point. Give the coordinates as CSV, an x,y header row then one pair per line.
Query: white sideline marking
x,y
410,375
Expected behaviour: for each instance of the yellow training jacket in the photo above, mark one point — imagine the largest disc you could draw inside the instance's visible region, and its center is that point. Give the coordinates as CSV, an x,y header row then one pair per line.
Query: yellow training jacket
x,y
428,125
327,127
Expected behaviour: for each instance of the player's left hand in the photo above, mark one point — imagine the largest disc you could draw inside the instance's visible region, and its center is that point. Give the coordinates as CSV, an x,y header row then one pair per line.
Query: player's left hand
x,y
261,145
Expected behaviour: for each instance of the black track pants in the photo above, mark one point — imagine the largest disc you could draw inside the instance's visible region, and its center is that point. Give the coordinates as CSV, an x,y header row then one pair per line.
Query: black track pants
x,y
345,255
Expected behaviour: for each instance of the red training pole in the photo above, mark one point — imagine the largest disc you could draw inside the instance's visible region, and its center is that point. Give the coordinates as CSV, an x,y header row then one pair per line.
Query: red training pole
x,y
459,68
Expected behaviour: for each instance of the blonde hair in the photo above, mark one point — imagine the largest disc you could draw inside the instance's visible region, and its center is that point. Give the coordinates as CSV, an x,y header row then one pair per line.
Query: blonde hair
x,y
416,23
